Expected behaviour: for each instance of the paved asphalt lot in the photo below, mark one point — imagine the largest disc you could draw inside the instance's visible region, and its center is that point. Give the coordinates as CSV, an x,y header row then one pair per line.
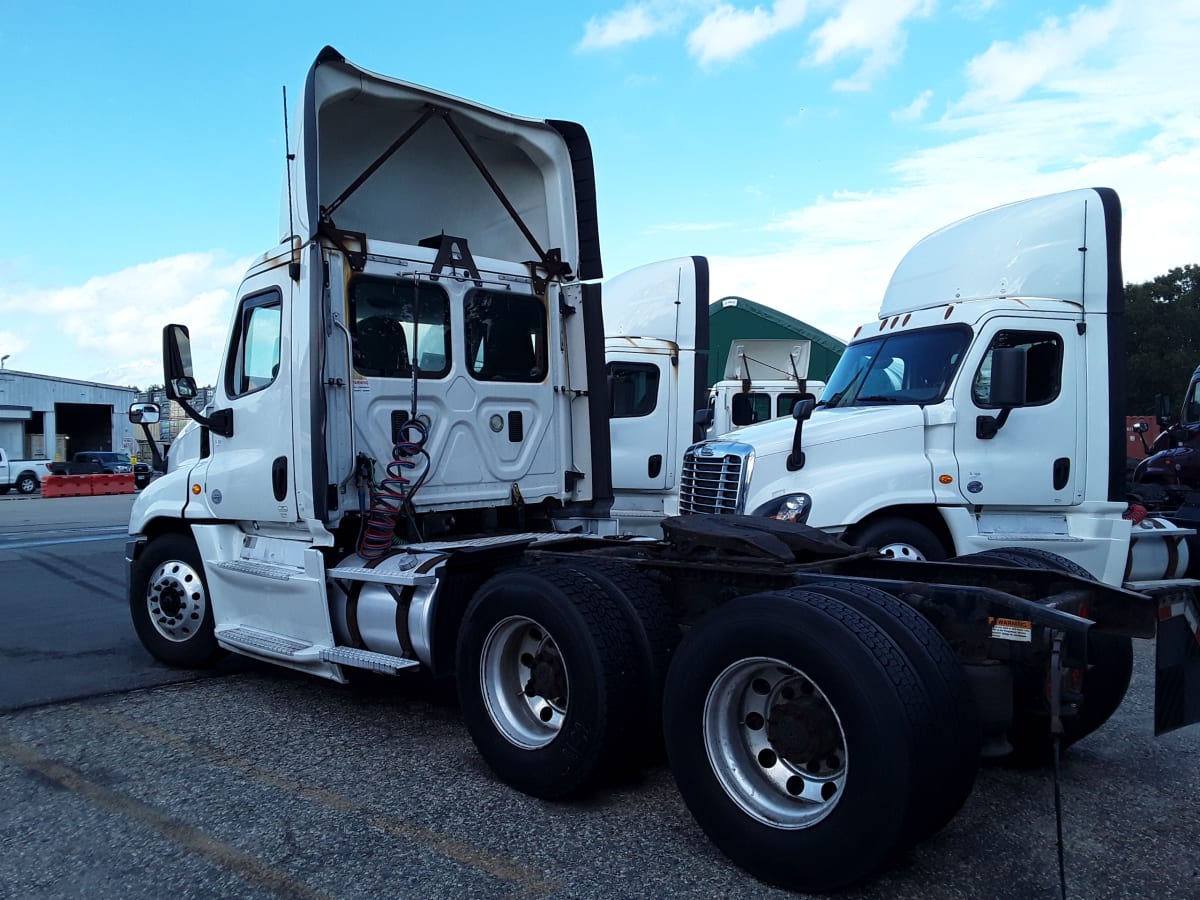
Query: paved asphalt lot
x,y
124,779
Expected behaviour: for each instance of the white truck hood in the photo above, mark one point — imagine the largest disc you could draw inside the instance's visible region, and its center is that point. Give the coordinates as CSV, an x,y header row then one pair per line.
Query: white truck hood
x,y
829,426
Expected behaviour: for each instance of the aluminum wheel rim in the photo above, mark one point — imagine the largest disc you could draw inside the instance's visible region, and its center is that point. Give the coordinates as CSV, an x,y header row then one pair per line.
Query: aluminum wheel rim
x,y
741,737
901,550
517,653
176,601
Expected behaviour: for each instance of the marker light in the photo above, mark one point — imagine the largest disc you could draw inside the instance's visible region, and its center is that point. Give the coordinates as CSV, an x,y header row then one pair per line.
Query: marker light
x,y
946,479
196,489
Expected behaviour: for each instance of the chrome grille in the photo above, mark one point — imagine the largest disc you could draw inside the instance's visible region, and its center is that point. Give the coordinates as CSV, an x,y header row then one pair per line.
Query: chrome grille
x,y
713,477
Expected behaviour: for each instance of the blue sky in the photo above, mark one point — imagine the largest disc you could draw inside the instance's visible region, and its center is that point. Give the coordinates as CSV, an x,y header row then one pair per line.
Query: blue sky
x,y
802,145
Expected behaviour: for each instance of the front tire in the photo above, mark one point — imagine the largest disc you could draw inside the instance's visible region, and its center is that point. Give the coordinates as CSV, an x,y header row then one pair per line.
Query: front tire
x,y
547,680
899,539
170,604
790,725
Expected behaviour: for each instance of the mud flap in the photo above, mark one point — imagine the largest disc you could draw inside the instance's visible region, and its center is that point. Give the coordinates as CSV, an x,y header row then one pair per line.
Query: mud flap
x,y
1177,681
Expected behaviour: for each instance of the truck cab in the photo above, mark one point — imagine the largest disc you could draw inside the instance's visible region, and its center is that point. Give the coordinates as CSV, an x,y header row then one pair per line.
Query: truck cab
x,y
918,449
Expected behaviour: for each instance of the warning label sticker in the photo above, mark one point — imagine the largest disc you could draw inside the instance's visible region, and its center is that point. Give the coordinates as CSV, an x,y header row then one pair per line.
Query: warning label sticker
x,y
1011,629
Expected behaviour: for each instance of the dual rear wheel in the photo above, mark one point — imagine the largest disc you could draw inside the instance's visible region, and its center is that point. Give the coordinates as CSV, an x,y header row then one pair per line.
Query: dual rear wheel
x,y
818,732
814,733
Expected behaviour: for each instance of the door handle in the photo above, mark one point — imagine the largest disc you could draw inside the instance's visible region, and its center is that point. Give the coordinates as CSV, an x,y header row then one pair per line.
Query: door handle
x,y
1062,472
279,477
654,465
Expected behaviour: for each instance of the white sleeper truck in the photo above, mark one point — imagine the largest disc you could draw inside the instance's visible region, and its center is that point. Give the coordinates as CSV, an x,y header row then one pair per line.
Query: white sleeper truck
x,y
408,467
982,410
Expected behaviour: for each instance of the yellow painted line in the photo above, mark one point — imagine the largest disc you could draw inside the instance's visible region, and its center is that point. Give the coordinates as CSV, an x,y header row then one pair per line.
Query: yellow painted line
x,y
243,865
531,882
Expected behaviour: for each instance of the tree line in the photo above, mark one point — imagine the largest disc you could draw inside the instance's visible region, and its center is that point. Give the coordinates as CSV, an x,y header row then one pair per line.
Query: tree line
x,y
1162,326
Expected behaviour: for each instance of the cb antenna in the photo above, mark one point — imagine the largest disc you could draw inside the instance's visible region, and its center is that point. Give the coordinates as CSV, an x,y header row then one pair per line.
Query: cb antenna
x,y
294,265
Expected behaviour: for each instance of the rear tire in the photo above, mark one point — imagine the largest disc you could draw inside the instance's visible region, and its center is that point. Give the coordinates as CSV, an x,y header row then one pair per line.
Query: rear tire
x,y
952,745
656,634
799,773
1105,683
545,667
27,483
170,604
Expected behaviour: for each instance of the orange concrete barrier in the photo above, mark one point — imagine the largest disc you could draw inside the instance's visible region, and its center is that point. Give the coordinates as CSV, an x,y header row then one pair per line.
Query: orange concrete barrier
x,y
66,486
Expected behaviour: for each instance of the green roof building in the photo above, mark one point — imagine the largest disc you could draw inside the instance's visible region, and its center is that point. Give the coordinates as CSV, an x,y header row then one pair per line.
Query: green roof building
x,y
738,319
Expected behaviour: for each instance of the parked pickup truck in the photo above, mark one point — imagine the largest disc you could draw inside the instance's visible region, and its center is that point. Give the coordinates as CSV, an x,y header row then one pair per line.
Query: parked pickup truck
x,y
21,474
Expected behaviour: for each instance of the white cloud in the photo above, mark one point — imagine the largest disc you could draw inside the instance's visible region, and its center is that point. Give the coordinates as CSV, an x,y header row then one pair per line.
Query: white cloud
x,y
632,23
870,28
1008,70
915,110
689,226
728,32
109,328
11,344
1117,110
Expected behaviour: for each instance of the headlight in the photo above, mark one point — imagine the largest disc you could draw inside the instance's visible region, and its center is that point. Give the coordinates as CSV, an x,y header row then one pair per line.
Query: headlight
x,y
789,508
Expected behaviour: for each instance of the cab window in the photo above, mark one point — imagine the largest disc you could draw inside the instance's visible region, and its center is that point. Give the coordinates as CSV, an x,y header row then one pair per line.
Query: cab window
x,y
1043,366
255,363
506,336
394,321
633,388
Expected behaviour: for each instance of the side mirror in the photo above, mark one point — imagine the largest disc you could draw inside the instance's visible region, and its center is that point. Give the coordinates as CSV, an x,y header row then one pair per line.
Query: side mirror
x,y
181,385
1007,389
1008,377
1162,410
1139,427
801,411
742,412
143,413
177,363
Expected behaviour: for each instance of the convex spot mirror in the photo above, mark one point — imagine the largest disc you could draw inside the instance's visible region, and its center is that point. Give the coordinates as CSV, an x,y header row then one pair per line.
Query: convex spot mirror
x,y
144,413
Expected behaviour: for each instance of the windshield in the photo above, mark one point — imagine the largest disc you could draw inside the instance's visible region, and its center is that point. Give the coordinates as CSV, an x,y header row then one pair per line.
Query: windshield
x,y
914,367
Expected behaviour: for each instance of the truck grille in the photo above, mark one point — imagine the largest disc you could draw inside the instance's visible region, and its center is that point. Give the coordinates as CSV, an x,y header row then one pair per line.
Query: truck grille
x,y
713,478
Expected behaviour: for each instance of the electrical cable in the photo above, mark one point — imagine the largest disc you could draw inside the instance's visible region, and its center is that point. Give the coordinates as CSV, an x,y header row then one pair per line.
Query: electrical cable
x,y
392,496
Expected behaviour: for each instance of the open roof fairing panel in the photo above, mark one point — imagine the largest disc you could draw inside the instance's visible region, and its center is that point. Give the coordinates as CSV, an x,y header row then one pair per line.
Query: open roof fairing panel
x,y
767,359
1063,246
431,184
667,300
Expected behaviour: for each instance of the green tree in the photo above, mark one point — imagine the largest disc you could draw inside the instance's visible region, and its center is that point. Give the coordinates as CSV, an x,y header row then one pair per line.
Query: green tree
x,y
1162,326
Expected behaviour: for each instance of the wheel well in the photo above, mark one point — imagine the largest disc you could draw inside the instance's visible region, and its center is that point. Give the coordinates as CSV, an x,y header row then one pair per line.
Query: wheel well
x,y
156,528
927,516
25,472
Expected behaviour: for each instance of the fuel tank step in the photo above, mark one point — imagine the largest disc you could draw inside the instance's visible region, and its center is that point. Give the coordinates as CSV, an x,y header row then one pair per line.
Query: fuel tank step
x,y
367,659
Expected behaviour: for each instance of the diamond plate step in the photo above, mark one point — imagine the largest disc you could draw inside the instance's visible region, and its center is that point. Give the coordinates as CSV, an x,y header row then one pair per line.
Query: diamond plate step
x,y
360,573
262,570
366,659
263,642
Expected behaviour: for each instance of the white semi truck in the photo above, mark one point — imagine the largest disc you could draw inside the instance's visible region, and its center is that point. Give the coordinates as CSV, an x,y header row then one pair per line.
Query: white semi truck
x,y
763,380
408,466
982,409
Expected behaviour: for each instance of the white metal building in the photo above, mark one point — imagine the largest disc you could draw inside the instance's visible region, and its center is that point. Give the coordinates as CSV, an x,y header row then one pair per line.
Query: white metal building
x,y
43,416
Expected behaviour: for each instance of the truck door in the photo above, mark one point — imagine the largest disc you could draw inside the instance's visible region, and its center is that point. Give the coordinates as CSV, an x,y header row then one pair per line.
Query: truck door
x,y
1036,458
250,475
643,439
